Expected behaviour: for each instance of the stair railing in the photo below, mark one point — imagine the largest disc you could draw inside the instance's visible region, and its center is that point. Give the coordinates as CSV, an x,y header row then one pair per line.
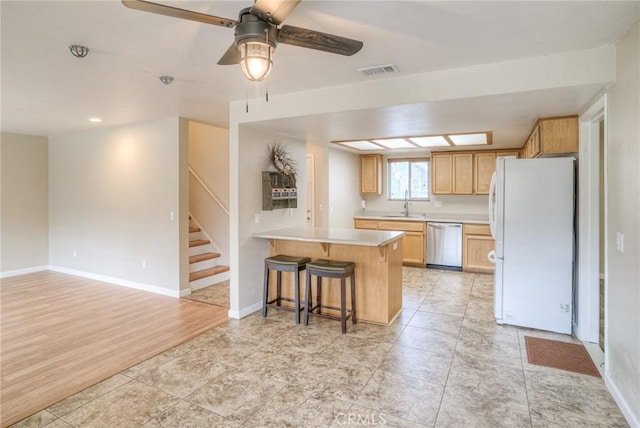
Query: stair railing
x,y
205,187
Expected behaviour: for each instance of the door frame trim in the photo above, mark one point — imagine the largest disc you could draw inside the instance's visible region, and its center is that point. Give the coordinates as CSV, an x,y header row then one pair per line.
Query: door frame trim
x,y
588,281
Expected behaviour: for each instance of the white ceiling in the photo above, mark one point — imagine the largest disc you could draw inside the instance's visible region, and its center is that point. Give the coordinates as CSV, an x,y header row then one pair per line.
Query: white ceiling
x,y
46,91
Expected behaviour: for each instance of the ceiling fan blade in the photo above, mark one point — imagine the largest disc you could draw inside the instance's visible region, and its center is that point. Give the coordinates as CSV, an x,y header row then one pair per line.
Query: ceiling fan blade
x,y
274,11
147,6
320,41
231,56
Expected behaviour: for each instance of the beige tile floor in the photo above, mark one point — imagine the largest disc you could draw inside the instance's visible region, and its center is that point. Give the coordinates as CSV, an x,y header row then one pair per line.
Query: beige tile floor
x,y
443,363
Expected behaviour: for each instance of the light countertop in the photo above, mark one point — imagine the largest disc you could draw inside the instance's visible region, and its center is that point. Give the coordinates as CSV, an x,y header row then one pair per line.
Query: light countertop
x,y
428,217
360,237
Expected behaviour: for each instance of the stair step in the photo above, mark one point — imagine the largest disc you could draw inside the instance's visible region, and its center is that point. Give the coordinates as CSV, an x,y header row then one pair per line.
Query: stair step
x,y
204,256
198,242
194,229
207,272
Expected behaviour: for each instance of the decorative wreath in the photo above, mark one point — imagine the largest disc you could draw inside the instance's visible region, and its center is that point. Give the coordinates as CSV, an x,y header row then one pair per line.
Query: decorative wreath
x,y
282,160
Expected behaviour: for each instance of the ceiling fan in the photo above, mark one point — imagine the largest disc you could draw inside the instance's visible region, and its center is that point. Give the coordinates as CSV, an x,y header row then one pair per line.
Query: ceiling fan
x,y
257,33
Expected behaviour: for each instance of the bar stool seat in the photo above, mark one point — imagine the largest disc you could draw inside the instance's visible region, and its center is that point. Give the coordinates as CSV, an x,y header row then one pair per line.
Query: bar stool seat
x,y
283,263
331,269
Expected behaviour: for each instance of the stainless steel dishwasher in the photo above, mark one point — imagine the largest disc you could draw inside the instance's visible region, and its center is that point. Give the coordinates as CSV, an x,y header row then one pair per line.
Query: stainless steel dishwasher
x,y
444,246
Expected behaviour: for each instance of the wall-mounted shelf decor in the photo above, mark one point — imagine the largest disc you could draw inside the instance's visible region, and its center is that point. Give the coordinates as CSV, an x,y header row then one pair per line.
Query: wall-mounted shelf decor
x,y
278,191
279,187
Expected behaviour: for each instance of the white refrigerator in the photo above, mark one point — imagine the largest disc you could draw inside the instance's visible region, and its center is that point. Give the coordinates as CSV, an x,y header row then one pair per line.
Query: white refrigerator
x,y
531,214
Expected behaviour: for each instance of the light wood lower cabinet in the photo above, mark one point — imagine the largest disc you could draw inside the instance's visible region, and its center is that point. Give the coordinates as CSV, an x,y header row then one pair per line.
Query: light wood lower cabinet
x,y
476,244
413,242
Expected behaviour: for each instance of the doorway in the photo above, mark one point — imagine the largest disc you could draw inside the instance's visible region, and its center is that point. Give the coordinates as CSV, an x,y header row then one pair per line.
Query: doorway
x,y
591,296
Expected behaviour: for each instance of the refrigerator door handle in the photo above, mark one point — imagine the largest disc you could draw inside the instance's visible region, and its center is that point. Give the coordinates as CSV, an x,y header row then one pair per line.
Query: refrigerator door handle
x,y
492,205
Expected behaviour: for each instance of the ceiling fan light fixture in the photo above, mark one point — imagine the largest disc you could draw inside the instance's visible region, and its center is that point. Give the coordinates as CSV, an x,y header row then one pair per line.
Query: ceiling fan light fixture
x,y
255,59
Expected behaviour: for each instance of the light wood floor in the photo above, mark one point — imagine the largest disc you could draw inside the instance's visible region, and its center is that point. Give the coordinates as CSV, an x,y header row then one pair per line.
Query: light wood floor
x,y
61,334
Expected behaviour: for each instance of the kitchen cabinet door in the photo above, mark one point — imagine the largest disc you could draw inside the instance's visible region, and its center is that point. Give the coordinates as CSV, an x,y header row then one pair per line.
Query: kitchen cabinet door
x,y
558,135
441,174
413,247
485,165
365,224
413,242
463,174
476,244
371,174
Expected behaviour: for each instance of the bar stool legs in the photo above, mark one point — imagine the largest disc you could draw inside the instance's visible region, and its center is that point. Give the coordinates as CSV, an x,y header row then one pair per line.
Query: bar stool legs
x,y
281,263
331,269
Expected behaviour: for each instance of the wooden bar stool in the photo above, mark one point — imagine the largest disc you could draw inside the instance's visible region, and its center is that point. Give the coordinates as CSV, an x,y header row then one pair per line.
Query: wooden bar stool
x,y
281,263
331,269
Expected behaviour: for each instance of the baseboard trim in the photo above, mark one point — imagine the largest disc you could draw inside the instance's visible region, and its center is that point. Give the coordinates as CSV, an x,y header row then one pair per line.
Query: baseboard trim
x,y
23,271
625,408
245,311
117,281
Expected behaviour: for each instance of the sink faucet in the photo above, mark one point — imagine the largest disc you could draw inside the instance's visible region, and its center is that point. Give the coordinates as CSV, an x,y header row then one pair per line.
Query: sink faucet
x,y
406,203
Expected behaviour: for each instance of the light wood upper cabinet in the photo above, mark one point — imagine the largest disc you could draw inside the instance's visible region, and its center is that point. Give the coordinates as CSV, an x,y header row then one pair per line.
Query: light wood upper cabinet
x,y
484,167
463,174
552,136
441,174
476,244
413,242
558,135
452,173
371,174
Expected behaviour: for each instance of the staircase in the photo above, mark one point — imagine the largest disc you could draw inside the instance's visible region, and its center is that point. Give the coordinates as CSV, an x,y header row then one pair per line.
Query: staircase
x,y
205,264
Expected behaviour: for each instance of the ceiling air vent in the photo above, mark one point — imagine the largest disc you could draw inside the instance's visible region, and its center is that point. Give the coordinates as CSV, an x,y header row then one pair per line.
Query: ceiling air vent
x,y
379,69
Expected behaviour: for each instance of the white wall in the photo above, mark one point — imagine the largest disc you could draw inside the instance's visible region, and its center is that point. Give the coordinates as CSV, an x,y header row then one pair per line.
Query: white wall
x,y
321,182
209,159
111,192
622,348
25,213
247,260
344,182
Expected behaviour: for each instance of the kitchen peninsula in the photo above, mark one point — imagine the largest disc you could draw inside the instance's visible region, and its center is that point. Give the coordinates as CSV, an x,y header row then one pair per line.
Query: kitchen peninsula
x,y
376,254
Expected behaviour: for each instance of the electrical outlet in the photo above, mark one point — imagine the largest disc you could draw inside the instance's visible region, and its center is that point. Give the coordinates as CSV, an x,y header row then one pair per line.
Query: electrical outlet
x,y
437,204
172,215
290,212
256,218
620,242
331,210
321,207
144,263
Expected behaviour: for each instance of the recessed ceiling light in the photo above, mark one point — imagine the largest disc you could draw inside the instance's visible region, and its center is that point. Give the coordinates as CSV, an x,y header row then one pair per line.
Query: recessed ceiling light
x,y
468,139
421,141
395,143
95,120
435,141
361,145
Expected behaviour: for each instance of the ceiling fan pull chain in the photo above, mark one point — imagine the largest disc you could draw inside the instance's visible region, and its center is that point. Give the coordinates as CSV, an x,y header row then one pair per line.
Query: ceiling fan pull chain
x,y
247,102
266,91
